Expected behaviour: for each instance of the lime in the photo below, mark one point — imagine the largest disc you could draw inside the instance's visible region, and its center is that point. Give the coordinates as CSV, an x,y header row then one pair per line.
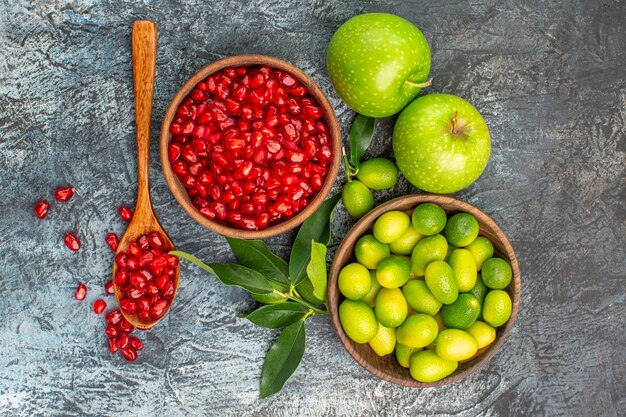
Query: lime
x,y
481,249
357,199
378,173
369,251
418,330
354,281
462,313
405,244
403,354
391,225
427,250
370,297
479,290
461,230
429,219
393,272
358,321
426,366
391,307
497,308
440,281
420,298
496,273
464,266
455,345
483,333
385,340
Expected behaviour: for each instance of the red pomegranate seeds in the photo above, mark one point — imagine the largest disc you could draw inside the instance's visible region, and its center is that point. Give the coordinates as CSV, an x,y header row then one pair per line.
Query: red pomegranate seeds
x,y
81,292
108,288
251,146
64,193
99,305
112,240
71,241
41,209
126,213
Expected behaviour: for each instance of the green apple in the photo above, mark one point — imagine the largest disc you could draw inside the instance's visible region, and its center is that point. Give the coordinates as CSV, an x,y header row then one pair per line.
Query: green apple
x,y
441,143
378,63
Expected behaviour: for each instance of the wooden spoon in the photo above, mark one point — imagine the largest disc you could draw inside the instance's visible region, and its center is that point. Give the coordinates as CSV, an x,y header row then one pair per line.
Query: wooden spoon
x,y
144,219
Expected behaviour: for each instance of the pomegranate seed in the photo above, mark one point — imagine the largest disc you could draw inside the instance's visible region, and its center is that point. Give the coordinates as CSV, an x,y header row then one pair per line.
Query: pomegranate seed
x,y
173,152
135,342
128,306
158,309
81,292
123,341
64,193
112,240
72,242
113,346
99,305
111,331
136,293
172,260
168,289
143,304
126,213
109,288
156,241
129,354
122,276
113,316
125,326
41,209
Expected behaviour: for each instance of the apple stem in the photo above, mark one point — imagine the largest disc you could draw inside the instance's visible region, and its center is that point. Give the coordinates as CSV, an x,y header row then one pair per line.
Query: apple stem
x,y
419,85
454,122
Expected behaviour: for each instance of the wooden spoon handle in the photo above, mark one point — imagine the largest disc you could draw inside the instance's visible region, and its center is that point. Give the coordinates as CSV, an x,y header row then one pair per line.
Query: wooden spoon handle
x,y
144,65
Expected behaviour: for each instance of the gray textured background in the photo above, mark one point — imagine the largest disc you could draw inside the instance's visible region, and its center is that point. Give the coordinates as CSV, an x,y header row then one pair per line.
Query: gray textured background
x,y
548,77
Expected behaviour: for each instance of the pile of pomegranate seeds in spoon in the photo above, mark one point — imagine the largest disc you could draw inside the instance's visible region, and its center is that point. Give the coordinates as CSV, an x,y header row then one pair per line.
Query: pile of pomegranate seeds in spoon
x,y
251,146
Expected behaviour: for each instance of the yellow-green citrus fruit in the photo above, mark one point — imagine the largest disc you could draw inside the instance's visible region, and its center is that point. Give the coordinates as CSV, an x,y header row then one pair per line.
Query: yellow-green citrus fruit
x,y
405,244
440,280
418,330
496,273
369,251
462,313
427,250
357,199
370,297
426,366
393,272
482,249
439,321
464,266
358,321
391,307
391,225
479,290
420,298
403,354
497,308
451,249
483,333
354,281
455,345
378,173
461,230
385,340
429,219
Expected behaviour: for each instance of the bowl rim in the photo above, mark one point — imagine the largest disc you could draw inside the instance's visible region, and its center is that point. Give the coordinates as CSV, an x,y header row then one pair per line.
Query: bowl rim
x,y
347,245
179,191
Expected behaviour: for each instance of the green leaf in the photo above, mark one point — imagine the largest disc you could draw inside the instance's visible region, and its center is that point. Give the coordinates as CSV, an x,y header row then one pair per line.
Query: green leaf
x,y
316,270
232,274
315,228
305,289
278,315
283,358
256,255
361,134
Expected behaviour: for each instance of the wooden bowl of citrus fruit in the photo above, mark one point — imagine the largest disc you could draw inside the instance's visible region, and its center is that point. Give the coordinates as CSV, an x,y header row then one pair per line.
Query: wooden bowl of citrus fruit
x,y
424,290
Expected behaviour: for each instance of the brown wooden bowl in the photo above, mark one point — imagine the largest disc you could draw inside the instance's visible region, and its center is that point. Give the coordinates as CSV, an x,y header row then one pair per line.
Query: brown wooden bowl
x,y
387,367
178,189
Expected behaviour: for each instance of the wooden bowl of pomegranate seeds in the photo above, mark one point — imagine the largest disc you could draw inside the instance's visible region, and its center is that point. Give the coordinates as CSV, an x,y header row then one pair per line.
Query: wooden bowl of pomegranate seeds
x,y
250,146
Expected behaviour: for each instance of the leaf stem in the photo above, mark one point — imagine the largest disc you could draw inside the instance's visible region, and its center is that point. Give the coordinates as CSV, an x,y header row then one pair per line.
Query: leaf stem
x,y
350,170
301,301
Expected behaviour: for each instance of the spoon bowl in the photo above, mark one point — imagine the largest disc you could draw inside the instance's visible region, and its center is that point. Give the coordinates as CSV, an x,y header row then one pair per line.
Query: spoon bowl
x,y
144,220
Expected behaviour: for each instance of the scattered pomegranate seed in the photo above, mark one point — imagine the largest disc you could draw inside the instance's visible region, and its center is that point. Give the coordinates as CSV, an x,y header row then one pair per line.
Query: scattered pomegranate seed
x,y
126,213
238,133
64,193
71,241
112,240
81,292
129,354
41,209
99,305
109,288
112,345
